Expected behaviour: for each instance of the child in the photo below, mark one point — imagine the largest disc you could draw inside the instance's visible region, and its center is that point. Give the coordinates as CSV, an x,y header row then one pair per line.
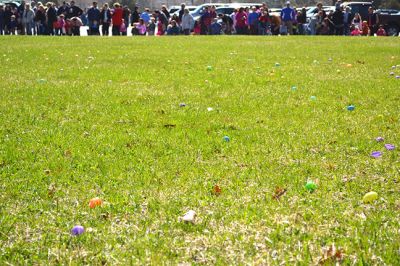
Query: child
x,y
151,28
94,28
68,27
12,25
216,27
160,28
197,28
141,27
381,31
122,28
365,28
356,31
173,28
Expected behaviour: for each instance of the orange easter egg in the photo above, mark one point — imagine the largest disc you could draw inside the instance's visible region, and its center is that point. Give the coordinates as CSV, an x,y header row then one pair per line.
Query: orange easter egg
x,y
93,203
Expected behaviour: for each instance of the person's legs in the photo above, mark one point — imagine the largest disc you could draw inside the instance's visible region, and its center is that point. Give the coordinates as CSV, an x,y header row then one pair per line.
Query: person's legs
x,y
115,30
289,26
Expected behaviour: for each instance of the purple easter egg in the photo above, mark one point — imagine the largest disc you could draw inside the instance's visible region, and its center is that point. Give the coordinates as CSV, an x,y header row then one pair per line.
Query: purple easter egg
x,y
389,147
376,154
379,139
77,230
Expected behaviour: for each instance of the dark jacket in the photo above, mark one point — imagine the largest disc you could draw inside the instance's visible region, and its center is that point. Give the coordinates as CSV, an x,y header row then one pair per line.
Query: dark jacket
x,y
2,17
40,17
108,16
337,18
74,11
93,14
51,15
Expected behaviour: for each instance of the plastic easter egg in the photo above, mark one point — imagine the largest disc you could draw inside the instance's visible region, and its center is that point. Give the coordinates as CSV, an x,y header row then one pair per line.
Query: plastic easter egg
x,y
189,217
310,186
77,230
226,138
277,64
209,68
313,98
370,197
93,203
351,108
182,104
294,88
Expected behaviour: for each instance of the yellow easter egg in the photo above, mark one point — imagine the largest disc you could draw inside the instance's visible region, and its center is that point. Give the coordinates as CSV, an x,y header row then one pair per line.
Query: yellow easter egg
x,y
370,197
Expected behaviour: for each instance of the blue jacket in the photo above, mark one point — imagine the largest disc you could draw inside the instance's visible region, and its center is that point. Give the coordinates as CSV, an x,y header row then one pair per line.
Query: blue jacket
x,y
253,18
287,14
93,14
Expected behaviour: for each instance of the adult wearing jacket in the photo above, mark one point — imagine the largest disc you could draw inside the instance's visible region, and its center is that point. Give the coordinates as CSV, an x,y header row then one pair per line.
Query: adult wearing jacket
x,y
373,21
40,20
28,19
63,9
187,22
241,22
347,19
288,16
51,15
105,19
116,19
337,19
94,18
74,11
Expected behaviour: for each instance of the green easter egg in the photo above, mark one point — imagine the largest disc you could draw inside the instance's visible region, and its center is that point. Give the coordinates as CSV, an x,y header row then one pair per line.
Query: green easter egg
x,y
311,186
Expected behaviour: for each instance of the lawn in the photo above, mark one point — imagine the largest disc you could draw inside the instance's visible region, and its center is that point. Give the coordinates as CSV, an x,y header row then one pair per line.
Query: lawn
x,y
140,123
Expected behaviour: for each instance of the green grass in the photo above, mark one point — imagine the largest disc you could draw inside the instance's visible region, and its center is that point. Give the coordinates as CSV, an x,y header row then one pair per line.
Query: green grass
x,y
99,128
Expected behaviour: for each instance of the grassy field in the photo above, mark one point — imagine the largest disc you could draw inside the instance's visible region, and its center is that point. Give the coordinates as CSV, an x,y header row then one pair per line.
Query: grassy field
x,y
94,117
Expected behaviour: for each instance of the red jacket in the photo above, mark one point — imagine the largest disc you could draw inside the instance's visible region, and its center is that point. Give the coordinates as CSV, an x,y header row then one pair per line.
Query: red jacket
x,y
117,17
241,20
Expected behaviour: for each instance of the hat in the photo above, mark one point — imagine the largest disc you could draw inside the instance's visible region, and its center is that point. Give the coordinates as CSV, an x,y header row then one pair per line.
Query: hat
x,y
288,2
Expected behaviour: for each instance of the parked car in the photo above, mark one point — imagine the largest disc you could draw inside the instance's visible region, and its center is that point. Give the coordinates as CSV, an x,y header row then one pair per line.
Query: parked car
x,y
313,10
388,11
191,8
14,4
200,9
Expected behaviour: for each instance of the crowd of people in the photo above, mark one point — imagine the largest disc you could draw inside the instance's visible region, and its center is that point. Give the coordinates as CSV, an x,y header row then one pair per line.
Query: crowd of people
x,y
67,19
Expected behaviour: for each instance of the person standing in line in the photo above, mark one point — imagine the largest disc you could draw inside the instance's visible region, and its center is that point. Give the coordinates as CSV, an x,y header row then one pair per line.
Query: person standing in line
x,y
51,15
105,20
187,22
182,11
373,20
28,19
302,21
126,15
253,21
116,19
162,22
241,22
94,18
347,18
288,16
205,21
74,11
338,21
